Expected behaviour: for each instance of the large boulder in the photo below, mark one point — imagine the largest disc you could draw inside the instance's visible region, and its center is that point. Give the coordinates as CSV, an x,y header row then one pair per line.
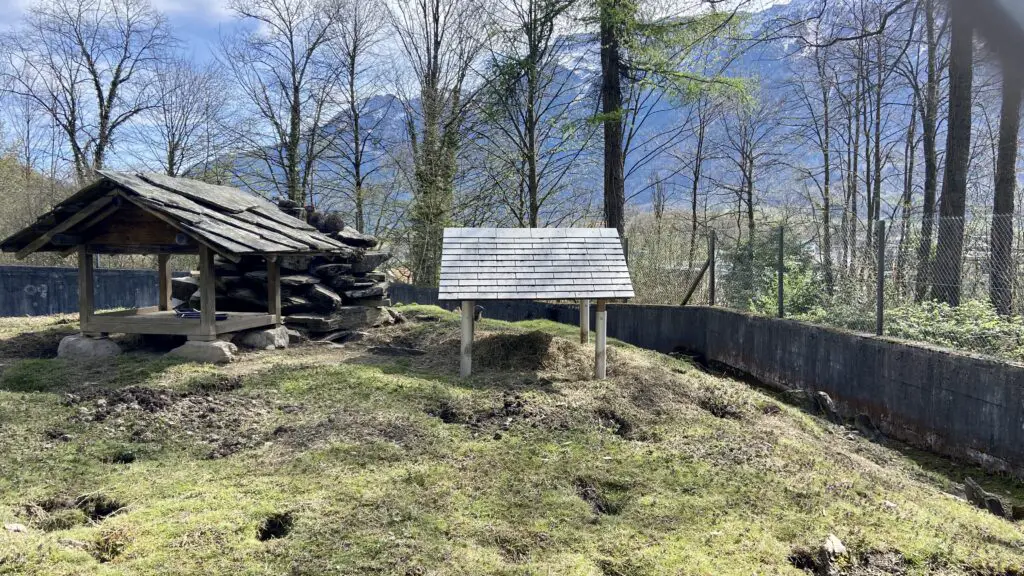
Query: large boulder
x,y
80,347
262,338
352,237
216,352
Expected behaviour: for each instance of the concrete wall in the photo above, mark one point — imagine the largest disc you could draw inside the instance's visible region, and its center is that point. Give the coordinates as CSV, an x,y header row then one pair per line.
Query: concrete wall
x,y
41,290
951,403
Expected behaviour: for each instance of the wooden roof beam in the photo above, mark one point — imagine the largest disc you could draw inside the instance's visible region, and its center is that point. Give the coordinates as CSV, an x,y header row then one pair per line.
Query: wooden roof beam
x,y
94,207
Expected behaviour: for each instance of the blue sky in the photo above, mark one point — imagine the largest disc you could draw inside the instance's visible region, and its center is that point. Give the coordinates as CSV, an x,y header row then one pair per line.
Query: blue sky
x,y
198,23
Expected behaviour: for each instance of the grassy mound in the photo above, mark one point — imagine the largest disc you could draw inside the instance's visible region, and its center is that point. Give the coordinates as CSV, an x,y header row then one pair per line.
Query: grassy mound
x,y
375,458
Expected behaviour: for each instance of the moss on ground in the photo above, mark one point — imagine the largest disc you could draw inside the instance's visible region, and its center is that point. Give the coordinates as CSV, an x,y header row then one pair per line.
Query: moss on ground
x,y
374,458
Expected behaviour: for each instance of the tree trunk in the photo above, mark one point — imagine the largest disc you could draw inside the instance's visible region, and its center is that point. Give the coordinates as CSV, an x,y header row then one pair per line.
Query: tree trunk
x,y
1001,283
611,107
929,126
949,253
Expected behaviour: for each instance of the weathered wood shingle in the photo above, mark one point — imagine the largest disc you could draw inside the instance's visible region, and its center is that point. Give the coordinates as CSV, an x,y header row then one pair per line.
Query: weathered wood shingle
x,y
230,221
533,263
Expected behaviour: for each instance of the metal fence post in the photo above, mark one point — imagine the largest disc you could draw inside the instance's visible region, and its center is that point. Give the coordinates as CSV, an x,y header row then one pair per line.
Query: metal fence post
x,y
880,288
782,272
712,241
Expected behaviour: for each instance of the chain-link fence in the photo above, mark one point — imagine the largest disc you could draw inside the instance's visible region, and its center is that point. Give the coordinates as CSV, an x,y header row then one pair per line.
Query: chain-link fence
x,y
952,282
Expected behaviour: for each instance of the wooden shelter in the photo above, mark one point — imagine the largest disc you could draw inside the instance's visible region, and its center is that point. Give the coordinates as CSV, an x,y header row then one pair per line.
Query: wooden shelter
x,y
123,213
535,264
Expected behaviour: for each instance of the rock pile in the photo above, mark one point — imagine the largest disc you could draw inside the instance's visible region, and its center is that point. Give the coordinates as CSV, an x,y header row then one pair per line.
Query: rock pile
x,y
319,294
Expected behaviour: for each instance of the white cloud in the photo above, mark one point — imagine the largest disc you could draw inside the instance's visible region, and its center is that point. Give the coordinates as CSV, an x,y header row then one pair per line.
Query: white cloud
x,y
212,9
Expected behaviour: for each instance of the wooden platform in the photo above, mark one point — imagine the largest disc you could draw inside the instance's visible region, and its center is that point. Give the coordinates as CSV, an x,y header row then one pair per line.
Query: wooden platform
x,y
153,321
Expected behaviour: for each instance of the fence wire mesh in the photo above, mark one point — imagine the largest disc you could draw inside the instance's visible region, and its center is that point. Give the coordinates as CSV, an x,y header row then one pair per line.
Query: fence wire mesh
x,y
952,282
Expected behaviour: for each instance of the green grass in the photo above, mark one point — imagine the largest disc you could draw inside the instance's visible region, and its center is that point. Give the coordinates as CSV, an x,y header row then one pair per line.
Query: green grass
x,y
390,464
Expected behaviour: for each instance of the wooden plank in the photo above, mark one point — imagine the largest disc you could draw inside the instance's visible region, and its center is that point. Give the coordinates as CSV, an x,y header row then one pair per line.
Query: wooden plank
x,y
601,342
147,324
307,237
75,218
192,248
217,231
207,293
276,215
584,320
274,288
244,221
86,284
132,225
164,273
237,322
143,322
223,197
227,248
466,350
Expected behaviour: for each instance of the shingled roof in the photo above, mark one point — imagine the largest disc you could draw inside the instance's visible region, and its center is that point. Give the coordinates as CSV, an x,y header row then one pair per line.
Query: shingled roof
x,y
537,263
228,220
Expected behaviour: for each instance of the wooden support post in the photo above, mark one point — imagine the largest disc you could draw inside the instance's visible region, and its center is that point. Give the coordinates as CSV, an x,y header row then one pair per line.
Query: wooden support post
x,y
712,241
207,296
86,288
601,342
274,288
584,320
466,358
164,273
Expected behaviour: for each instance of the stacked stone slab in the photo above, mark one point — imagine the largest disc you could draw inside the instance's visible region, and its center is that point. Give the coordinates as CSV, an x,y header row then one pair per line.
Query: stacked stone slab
x,y
319,294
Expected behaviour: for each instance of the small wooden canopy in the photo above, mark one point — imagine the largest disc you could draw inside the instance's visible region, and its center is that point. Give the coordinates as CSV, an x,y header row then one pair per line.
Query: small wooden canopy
x,y
124,213
535,264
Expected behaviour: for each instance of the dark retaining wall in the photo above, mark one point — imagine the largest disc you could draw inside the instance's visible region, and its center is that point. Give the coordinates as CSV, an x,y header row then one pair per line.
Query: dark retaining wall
x,y
956,404
41,290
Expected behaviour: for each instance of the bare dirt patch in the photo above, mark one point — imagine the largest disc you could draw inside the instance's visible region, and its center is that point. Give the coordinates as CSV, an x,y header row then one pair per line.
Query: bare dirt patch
x,y
63,512
224,423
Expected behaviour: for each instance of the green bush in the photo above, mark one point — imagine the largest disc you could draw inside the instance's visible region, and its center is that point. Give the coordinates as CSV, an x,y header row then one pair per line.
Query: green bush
x,y
750,277
974,326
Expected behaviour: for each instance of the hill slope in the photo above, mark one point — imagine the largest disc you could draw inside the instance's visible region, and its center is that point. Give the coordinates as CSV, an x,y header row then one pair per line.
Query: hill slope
x,y
372,458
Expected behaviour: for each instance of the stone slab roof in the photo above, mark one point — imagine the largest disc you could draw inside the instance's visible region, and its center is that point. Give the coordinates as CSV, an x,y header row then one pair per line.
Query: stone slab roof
x,y
533,264
230,221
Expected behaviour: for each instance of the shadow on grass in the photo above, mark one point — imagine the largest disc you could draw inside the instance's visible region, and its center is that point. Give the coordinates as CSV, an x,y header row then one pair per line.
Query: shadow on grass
x,y
944,472
37,344
54,376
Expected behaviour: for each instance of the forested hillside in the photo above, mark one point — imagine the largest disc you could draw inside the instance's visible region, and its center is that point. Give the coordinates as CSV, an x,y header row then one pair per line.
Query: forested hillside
x,y
681,118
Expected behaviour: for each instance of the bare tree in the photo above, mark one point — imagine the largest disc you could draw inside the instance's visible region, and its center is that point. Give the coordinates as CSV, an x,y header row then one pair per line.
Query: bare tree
x,y
441,40
282,66
535,134
358,152
88,65
183,133
952,208
751,138
1001,283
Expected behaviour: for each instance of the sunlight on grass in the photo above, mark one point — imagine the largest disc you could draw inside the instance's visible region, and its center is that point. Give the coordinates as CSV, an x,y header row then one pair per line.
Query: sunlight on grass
x,y
384,465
